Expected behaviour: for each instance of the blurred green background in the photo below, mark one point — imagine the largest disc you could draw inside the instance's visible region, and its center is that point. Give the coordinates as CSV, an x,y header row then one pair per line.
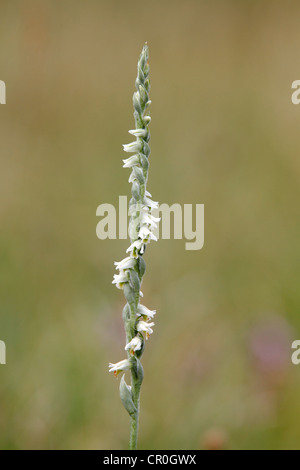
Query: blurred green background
x,y
224,132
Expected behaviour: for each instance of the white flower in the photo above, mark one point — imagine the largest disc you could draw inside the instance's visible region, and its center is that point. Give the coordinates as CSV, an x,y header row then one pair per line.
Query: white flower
x,y
152,237
144,232
136,246
154,219
151,204
126,263
138,132
120,279
132,177
134,345
131,161
149,219
119,367
144,327
133,146
146,235
148,194
145,312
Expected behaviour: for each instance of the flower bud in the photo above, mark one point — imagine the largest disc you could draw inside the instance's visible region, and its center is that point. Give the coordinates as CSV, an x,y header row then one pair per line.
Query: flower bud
x,y
126,397
136,102
143,96
138,174
137,370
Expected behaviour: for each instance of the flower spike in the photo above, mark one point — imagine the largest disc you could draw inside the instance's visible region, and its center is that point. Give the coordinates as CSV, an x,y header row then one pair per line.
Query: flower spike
x,y
131,269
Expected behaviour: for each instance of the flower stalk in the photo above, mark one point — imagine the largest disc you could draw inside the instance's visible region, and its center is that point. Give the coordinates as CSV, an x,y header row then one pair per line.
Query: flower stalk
x,y
137,318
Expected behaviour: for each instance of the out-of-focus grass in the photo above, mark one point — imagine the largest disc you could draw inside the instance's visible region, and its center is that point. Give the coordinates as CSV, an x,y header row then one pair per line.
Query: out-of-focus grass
x,y
224,133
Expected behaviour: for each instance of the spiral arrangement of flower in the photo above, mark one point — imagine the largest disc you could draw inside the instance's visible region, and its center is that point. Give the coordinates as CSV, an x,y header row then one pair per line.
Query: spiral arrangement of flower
x,y
137,318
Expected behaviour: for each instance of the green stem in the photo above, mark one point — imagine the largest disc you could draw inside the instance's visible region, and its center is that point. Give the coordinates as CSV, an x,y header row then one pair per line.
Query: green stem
x,y
134,425
134,430
134,422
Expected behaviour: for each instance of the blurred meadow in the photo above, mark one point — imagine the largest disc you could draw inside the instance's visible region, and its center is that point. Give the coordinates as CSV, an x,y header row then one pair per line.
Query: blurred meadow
x,y
218,371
